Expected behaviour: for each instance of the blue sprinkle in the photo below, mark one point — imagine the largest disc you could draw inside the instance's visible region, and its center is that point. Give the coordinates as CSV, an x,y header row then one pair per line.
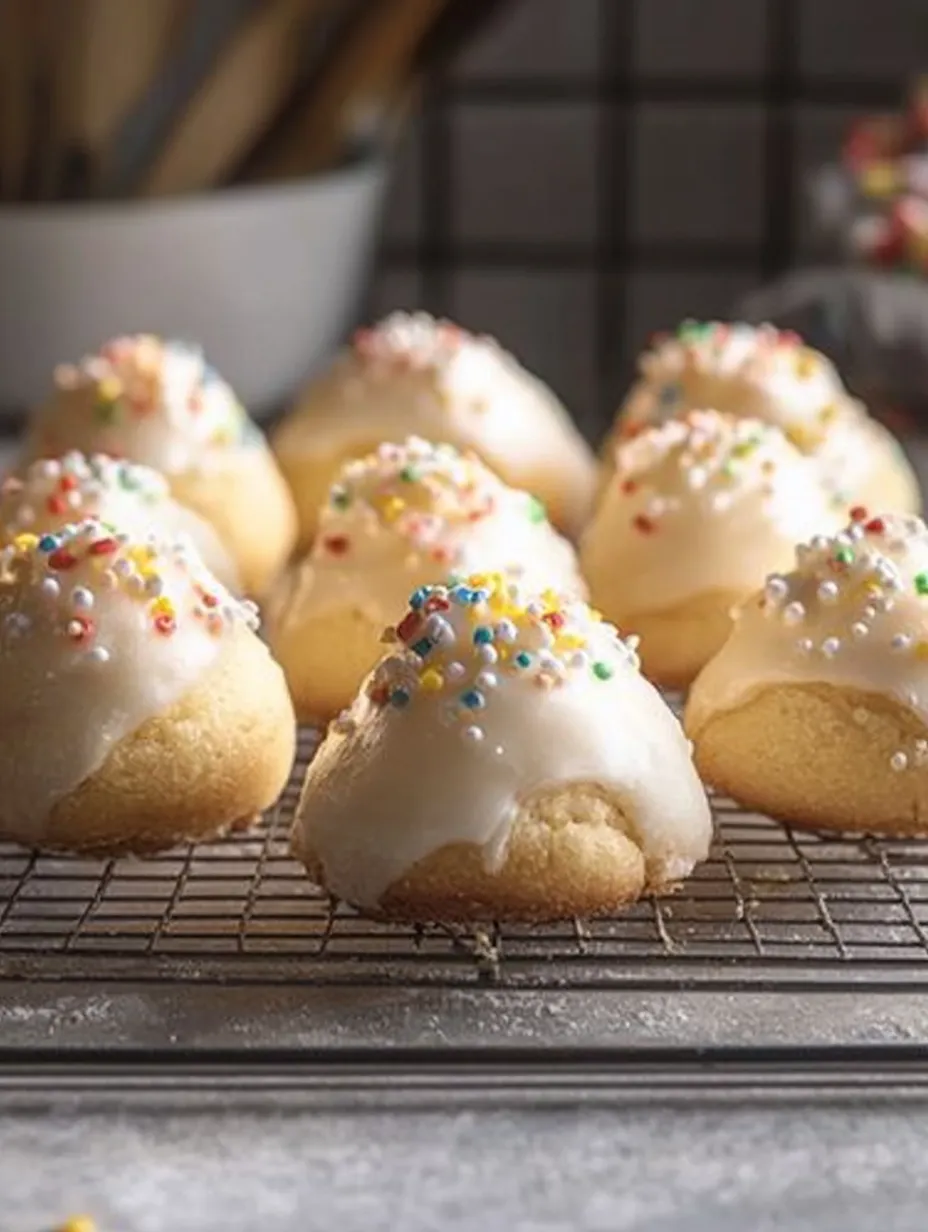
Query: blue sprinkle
x,y
460,594
479,596
399,698
422,647
483,636
48,543
418,597
523,659
473,699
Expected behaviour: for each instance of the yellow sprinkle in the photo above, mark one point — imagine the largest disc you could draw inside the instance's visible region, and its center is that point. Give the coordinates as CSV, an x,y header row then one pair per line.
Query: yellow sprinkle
x,y
25,542
78,1223
162,606
806,363
571,641
827,413
109,388
391,508
431,680
880,180
921,650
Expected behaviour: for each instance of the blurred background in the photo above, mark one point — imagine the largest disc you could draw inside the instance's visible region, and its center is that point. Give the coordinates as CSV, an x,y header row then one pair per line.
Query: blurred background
x,y
595,170
569,175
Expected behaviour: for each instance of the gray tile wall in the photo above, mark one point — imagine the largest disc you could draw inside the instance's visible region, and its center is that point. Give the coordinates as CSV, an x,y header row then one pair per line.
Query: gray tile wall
x,y
597,169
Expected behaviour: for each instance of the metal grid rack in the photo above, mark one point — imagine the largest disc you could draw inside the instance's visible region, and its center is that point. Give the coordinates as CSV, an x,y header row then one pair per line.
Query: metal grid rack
x,y
768,898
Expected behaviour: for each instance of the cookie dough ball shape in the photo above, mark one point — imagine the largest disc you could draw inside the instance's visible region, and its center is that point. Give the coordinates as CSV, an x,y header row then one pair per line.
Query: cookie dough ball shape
x,y
137,706
699,510
816,709
413,375
403,516
771,375
506,760
159,403
52,493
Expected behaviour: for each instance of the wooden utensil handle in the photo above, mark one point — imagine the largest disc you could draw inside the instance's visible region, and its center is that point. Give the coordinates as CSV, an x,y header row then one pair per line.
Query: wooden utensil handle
x,y
374,56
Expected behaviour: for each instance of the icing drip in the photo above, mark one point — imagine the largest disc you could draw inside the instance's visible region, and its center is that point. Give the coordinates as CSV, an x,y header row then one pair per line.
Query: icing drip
x,y
488,695
100,630
701,503
852,613
53,493
145,398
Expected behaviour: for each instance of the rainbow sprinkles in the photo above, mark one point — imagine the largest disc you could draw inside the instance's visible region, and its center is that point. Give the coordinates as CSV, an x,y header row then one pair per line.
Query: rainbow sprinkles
x,y
461,642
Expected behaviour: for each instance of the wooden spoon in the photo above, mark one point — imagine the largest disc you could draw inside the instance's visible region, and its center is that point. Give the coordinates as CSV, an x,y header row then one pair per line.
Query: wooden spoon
x,y
115,51
248,85
373,57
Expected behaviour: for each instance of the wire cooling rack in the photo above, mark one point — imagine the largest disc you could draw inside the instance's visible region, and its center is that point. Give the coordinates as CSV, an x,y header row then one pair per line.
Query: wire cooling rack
x,y
241,907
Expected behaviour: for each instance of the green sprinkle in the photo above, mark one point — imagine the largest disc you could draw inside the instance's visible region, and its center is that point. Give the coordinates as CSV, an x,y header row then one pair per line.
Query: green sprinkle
x,y
340,498
409,474
602,671
844,556
106,411
523,659
921,583
536,510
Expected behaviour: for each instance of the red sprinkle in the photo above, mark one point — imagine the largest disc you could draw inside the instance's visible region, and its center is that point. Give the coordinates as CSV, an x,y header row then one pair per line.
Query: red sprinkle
x,y
336,544
165,624
554,620
629,487
643,524
209,600
61,558
408,626
435,603
875,526
56,505
103,547
84,628
859,514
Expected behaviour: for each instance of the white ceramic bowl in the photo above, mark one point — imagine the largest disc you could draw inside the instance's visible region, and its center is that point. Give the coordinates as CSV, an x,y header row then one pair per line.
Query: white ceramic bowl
x,y
267,279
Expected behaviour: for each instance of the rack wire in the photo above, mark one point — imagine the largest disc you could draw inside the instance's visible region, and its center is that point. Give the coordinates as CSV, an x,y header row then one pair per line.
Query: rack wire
x,y
767,896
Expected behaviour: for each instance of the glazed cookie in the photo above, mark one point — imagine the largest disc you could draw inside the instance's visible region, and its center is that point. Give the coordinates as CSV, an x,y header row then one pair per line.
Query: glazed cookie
x,y
771,375
506,760
395,520
699,510
137,707
53,493
816,708
161,404
412,375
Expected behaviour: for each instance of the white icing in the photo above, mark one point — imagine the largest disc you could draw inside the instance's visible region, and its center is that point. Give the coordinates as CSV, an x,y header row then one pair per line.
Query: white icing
x,y
765,374
433,752
154,401
853,613
408,514
55,492
98,633
703,503
413,375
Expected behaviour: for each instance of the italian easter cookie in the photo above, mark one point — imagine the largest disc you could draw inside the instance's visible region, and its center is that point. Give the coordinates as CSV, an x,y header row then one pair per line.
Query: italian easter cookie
x,y
771,375
137,706
414,376
159,403
394,521
506,760
816,708
698,511
53,493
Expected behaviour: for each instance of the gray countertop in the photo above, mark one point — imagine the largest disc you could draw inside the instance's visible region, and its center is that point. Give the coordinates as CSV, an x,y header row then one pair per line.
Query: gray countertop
x,y
759,1170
